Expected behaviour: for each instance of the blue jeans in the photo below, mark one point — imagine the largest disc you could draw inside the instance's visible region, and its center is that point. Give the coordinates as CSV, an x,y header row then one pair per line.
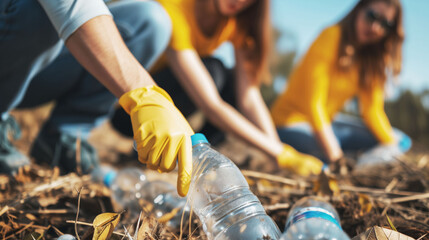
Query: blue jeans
x,y
36,68
352,135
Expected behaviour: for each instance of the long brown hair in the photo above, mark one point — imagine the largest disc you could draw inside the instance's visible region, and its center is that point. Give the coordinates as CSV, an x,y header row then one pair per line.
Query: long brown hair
x,y
374,59
254,25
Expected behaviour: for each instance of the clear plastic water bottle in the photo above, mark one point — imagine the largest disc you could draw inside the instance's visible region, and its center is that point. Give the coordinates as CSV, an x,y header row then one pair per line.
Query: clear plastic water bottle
x,y
378,156
130,188
220,196
166,201
383,154
126,186
66,237
313,219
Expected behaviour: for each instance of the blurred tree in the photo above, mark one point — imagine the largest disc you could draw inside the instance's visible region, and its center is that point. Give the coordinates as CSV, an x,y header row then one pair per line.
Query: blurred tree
x,y
281,62
408,113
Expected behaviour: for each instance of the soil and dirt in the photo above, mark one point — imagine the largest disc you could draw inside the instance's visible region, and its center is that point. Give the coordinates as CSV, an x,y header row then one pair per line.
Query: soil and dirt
x,y
40,204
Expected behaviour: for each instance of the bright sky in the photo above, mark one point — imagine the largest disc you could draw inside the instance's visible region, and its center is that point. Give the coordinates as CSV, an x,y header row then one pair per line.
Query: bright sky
x,y
307,18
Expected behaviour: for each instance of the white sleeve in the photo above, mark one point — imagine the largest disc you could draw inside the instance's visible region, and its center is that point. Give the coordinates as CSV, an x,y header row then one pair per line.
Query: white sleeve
x,y
68,15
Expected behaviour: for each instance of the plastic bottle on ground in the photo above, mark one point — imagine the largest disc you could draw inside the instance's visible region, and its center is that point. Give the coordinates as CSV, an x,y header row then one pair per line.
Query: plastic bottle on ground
x,y
166,201
66,237
220,196
130,188
313,219
379,156
126,186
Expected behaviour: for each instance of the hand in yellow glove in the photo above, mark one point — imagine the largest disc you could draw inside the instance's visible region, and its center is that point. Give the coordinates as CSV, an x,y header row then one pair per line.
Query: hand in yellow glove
x,y
161,132
299,163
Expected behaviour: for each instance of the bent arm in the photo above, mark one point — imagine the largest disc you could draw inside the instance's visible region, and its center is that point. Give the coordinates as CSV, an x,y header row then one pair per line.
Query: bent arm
x,y
372,111
199,85
98,46
91,35
250,101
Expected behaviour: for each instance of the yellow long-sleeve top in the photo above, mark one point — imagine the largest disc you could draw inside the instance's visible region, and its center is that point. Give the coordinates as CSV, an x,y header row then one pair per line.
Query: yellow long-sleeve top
x,y
186,33
317,90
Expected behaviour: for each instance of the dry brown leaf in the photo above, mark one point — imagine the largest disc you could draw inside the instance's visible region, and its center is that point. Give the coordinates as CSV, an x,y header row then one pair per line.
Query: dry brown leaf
x,y
379,233
365,203
168,216
147,228
4,182
47,201
30,217
266,183
104,224
22,176
326,185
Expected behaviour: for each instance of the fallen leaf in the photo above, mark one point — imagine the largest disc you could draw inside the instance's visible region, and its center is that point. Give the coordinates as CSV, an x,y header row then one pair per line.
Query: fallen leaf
x,y
147,228
168,216
104,224
365,203
30,217
326,185
379,233
4,182
47,201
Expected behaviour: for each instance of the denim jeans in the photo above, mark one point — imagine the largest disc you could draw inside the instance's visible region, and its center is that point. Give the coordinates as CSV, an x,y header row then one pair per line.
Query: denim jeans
x,y
36,68
352,135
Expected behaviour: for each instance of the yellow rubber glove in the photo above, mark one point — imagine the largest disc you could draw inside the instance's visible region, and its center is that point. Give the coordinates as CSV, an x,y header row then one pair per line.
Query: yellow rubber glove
x,y
299,163
161,132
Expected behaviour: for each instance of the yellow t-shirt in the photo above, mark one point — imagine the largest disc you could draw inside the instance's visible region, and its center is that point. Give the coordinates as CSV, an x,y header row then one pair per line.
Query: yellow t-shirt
x,y
187,35
317,90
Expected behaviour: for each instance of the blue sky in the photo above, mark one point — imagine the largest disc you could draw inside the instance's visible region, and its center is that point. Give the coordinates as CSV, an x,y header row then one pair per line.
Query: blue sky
x,y
307,18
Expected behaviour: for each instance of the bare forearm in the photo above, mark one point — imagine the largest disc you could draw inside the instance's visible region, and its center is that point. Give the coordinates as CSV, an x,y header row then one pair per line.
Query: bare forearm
x,y
230,120
98,46
249,98
329,143
255,109
199,85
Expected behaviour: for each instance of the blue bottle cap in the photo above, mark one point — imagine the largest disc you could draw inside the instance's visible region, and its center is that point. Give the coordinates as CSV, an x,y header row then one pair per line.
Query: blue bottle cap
x,y
198,138
108,178
325,167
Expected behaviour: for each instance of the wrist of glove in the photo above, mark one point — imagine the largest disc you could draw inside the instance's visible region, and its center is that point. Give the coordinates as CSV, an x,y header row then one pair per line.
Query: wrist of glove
x,y
161,133
299,163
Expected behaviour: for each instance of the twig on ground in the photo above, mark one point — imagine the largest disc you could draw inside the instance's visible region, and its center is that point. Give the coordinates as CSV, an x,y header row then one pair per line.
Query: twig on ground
x,y
277,206
77,213
270,177
409,198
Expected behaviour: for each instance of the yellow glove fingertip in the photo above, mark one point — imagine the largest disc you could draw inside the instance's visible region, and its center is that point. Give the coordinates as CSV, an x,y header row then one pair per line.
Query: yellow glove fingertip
x,y
185,166
183,182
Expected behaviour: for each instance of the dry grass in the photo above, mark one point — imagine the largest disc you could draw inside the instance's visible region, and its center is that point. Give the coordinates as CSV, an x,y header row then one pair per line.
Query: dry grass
x,y
41,203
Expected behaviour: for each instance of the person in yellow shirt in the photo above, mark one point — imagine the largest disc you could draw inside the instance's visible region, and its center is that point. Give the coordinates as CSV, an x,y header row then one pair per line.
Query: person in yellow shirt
x,y
196,80
349,59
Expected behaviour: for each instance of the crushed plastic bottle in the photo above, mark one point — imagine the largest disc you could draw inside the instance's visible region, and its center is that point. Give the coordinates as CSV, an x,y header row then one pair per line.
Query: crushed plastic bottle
x,y
313,219
126,186
168,206
130,188
220,196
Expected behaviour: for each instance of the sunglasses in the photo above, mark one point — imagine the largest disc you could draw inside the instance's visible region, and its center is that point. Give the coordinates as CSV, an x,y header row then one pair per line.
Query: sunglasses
x,y
372,16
